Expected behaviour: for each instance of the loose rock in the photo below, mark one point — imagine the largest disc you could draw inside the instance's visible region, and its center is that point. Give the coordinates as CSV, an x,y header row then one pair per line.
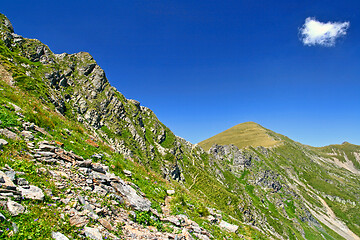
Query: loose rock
x,y
93,233
14,208
58,236
32,192
3,143
228,226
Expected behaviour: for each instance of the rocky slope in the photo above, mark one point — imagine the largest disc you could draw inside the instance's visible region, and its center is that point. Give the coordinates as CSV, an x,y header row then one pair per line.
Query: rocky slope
x,y
80,160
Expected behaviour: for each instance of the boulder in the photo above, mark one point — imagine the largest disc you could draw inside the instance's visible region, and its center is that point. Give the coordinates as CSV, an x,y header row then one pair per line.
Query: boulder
x,y
78,221
14,208
106,224
228,226
6,181
172,219
100,168
127,173
136,202
28,126
58,236
3,143
32,192
11,174
85,164
93,233
9,134
27,135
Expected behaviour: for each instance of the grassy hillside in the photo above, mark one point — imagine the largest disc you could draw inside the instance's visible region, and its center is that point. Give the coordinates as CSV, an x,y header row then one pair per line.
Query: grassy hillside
x,y
242,135
282,192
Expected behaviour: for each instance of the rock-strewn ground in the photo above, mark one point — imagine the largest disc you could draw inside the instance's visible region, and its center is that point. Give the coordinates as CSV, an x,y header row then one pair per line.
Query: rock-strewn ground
x,y
91,195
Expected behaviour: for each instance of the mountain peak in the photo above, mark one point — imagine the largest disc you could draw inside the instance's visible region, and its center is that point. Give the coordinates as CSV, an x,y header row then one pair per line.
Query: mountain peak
x,y
5,24
242,135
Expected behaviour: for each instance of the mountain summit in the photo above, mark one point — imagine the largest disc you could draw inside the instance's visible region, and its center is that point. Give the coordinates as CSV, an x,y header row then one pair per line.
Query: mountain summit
x,y
78,160
242,135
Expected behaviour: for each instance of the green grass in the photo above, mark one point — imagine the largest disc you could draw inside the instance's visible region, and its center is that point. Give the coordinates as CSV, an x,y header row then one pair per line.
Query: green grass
x,y
242,135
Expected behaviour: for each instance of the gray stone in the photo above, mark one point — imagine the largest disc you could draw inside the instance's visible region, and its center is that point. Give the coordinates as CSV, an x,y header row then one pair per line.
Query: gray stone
x,y
58,236
100,168
85,164
137,202
127,173
15,227
228,226
28,126
2,218
3,143
14,208
97,155
33,192
81,200
101,191
22,182
78,221
170,192
47,147
46,154
172,219
28,135
6,181
93,233
9,134
11,174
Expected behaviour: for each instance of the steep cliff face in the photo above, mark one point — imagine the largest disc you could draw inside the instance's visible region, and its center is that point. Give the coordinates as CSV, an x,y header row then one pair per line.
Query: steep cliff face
x,y
284,191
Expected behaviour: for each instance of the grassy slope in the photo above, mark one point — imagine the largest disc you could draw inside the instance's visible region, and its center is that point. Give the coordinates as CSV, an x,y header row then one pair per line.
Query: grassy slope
x,y
195,192
242,135
340,149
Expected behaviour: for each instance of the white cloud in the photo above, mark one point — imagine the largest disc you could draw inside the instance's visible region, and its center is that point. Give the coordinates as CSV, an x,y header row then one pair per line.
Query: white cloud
x,y
314,32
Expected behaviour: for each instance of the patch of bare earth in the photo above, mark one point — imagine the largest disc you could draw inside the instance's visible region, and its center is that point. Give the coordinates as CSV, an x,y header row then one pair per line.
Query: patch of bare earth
x,y
6,76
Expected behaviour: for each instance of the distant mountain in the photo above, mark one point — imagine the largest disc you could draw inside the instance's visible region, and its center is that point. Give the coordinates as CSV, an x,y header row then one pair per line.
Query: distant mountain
x,y
79,160
248,134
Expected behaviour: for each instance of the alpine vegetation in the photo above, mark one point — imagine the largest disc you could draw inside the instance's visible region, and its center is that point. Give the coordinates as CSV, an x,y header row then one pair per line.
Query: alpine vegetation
x,y
79,160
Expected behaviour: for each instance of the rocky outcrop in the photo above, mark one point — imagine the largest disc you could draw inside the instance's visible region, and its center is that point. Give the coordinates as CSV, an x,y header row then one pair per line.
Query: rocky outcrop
x,y
268,179
239,159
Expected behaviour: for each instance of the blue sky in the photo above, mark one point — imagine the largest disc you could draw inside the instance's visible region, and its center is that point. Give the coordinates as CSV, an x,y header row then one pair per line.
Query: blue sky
x,y
205,66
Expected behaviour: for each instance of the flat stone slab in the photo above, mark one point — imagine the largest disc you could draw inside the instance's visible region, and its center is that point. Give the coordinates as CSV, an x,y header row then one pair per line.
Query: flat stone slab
x,y
228,226
6,181
15,208
3,143
33,192
93,233
136,202
9,134
58,236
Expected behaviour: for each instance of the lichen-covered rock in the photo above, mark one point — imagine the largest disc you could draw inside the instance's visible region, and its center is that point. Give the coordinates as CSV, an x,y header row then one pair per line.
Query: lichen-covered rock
x,y
58,236
9,134
93,233
135,201
3,143
33,192
14,208
228,226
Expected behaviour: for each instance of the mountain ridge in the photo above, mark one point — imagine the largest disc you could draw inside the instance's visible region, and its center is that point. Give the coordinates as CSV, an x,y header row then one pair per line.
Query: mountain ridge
x,y
130,176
